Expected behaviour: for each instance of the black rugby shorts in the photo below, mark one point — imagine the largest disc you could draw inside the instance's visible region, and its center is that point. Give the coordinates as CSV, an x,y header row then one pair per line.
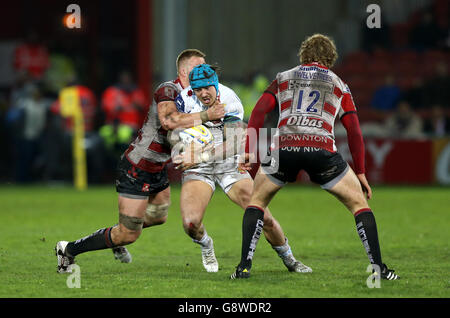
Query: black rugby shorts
x,y
132,182
323,167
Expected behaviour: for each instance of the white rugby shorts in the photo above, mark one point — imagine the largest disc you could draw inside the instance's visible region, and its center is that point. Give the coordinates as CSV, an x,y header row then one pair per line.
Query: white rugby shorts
x,y
225,173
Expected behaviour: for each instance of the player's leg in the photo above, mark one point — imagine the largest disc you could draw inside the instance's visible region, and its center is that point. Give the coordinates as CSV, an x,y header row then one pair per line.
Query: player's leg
x,y
156,214
131,218
264,189
240,193
134,186
347,189
194,198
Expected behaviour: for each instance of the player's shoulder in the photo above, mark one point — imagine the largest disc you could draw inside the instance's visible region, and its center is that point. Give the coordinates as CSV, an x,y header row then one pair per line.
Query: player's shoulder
x,y
337,80
233,105
186,93
226,93
171,84
167,91
186,100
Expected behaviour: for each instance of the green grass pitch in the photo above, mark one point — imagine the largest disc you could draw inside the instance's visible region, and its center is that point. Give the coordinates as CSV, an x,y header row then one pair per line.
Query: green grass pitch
x,y
413,225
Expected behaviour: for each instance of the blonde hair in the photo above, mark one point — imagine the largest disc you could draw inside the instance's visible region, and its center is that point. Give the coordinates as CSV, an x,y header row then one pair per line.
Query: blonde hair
x,y
318,48
187,54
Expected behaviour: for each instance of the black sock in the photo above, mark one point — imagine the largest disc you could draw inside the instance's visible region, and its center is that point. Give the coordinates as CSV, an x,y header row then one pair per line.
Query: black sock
x,y
98,240
367,231
252,227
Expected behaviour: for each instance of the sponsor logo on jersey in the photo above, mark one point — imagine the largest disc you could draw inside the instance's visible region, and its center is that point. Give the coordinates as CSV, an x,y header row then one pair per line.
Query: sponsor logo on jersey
x,y
305,137
304,121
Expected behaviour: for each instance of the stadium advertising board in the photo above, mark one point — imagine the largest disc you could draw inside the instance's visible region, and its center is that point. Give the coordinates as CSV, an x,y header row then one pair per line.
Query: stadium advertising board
x,y
391,161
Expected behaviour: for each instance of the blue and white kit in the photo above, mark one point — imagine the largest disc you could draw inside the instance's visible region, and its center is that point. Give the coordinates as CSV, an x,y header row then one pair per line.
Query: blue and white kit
x,y
225,172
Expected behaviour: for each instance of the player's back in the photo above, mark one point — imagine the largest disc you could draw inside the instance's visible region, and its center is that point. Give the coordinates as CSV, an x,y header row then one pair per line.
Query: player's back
x,y
309,98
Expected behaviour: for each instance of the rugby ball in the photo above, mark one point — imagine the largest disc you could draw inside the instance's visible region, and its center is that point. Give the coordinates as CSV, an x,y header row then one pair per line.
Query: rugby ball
x,y
200,135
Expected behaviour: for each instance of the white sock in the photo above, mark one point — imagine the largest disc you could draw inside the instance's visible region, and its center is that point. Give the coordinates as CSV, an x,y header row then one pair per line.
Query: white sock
x,y
205,241
283,251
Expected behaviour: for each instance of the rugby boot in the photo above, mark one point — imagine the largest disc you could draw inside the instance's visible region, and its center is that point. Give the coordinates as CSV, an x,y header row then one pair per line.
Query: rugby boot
x,y
387,273
121,253
209,258
240,272
65,262
294,265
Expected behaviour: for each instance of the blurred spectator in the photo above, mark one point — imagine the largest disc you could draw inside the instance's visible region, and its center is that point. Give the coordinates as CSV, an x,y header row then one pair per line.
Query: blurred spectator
x,y
21,88
125,103
427,34
386,97
404,123
437,89
59,145
125,107
438,124
28,117
31,57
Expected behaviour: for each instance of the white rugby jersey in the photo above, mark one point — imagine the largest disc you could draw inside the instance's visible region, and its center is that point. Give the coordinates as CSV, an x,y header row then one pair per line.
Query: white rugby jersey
x,y
187,102
310,97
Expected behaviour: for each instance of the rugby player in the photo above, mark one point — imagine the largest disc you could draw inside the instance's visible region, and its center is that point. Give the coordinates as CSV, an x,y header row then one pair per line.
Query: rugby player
x,y
142,182
219,165
309,97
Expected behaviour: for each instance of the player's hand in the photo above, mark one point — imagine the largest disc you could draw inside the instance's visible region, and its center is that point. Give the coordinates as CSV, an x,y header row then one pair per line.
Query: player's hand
x,y
365,185
187,159
184,161
246,163
216,111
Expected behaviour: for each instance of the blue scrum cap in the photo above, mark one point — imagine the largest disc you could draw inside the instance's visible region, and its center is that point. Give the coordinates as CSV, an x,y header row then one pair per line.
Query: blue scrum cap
x,y
203,75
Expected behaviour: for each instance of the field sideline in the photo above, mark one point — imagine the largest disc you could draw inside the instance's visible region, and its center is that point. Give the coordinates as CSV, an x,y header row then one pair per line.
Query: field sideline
x,y
413,224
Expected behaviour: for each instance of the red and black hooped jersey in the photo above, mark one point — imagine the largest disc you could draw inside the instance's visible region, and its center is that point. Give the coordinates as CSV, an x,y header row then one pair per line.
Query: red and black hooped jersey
x,y
150,151
310,97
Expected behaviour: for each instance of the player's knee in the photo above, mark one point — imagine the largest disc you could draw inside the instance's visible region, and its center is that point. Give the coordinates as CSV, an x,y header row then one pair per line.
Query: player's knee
x,y
356,203
129,229
191,225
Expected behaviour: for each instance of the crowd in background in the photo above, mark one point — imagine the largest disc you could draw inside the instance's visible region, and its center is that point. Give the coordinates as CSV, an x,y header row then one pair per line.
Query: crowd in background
x,y
400,78
37,138
396,100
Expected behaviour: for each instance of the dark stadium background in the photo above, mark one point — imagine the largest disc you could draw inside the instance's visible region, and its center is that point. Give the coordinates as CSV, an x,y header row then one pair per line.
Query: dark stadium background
x,y
251,41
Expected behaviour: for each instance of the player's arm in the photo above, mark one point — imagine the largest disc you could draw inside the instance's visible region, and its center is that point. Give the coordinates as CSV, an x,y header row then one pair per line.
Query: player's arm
x,y
350,121
171,118
233,143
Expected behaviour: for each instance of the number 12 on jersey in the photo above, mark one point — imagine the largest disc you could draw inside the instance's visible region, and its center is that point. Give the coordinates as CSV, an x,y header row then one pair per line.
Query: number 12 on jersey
x,y
314,95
